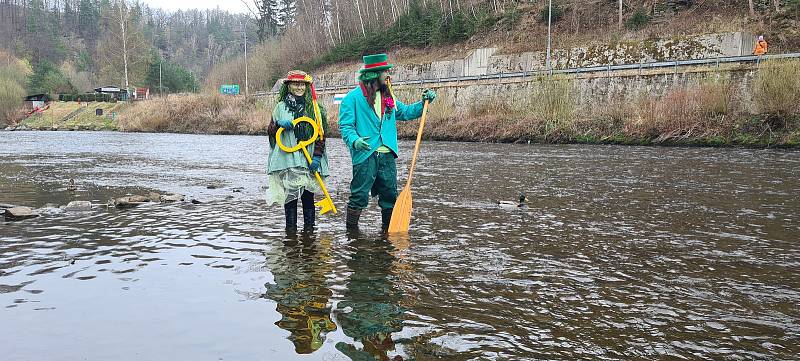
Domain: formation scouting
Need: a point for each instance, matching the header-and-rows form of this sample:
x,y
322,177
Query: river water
x,y
621,253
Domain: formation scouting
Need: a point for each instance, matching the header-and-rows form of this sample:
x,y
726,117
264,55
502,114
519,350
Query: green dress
x,y
288,172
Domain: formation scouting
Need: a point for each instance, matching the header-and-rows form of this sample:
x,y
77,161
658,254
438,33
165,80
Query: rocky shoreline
x,y
12,212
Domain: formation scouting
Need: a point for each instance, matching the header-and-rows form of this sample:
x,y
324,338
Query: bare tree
x,y
122,48
361,19
123,14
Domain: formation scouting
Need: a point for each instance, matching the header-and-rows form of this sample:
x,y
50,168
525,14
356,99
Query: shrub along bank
x,y
710,113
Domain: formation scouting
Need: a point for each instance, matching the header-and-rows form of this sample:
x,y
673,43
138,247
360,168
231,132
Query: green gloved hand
x,y
361,144
285,124
428,95
315,163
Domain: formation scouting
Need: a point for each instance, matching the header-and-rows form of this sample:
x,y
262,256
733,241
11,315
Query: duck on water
x,y
512,205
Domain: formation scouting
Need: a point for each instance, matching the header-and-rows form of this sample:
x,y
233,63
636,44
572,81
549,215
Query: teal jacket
x,y
357,119
280,160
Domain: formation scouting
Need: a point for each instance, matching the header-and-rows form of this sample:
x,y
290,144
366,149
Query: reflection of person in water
x,y
374,299
299,290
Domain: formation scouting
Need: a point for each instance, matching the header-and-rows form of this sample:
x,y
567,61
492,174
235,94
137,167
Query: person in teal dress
x,y
291,176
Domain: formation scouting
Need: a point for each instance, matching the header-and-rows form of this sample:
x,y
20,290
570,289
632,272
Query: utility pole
x,y
549,21
246,87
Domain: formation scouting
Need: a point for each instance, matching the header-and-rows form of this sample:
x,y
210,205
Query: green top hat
x,y
376,63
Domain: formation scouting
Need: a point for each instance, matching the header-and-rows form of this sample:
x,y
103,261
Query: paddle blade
x,y
325,205
401,216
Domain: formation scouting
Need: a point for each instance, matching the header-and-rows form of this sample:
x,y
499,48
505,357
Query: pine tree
x,y
267,19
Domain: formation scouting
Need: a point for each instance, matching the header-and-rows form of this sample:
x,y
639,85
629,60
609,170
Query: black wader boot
x,y
290,209
308,210
386,218
352,219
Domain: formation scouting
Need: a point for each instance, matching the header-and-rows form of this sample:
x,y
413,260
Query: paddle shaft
x,y
319,180
416,146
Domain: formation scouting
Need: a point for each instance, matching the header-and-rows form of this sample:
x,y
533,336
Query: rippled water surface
x,y
622,253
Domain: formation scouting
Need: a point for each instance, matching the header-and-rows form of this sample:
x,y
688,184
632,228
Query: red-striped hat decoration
x,y
376,62
298,75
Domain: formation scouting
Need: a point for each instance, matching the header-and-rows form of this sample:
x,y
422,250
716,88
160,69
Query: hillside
x,y
427,33
78,45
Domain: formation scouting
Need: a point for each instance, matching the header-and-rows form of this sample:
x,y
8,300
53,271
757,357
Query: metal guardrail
x,y
584,70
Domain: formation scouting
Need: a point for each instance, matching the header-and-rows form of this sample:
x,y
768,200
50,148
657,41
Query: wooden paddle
x,y
401,216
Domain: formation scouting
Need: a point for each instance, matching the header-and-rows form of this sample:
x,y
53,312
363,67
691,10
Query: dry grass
x,y
66,115
547,110
777,87
706,113
544,111
196,113
683,113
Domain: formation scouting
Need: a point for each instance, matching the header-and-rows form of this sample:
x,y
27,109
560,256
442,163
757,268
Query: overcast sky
x,y
229,5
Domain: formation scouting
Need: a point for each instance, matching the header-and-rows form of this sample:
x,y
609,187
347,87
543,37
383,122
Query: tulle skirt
x,y
287,185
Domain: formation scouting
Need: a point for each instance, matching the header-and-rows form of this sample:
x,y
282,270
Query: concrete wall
x,y
679,48
589,92
477,63
484,61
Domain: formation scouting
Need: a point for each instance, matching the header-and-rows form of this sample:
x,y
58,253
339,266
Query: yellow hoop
x,y
301,144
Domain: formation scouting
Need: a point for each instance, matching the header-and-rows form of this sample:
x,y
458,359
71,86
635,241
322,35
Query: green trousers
x,y
378,174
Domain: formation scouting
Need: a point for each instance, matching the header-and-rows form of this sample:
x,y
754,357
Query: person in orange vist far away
x,y
761,46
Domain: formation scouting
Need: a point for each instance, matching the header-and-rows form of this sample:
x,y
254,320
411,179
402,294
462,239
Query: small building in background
x,y
141,94
115,92
36,101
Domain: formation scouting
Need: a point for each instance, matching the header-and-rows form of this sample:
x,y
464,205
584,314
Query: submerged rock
x,y
139,199
169,198
154,197
49,211
78,206
129,202
20,213
6,205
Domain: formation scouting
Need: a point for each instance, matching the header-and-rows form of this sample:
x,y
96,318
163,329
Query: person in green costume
x,y
290,175
367,121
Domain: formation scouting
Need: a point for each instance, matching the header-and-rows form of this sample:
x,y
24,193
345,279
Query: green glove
x,y
428,95
361,144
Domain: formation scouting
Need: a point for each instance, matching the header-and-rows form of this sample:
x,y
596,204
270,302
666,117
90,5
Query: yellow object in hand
x,y
326,204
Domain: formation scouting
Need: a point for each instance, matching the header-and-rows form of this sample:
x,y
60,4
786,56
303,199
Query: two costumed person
x,y
368,118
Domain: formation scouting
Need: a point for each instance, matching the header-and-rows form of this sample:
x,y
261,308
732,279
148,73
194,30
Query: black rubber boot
x,y
386,218
309,212
352,219
290,210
